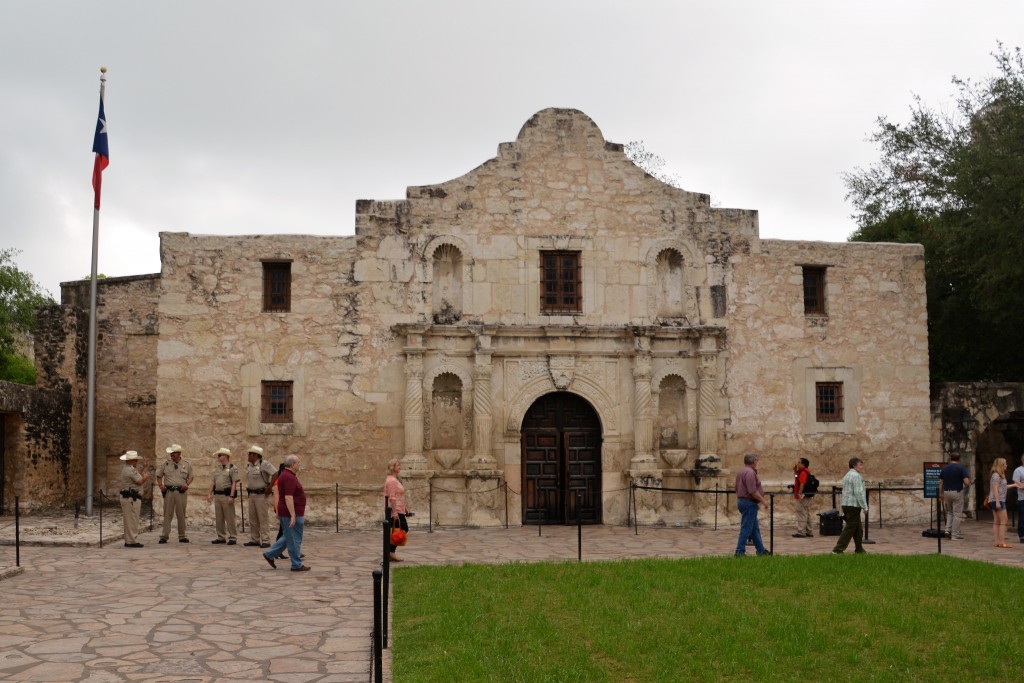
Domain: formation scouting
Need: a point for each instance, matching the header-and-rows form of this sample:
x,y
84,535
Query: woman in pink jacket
x,y
395,494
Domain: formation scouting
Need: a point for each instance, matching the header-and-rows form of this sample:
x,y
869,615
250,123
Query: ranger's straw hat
x,y
256,449
130,455
173,448
223,451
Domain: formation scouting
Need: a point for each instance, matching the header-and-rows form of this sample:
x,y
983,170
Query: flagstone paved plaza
x,y
200,612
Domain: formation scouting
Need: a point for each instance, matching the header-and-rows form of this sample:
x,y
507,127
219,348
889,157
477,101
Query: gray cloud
x,y
262,117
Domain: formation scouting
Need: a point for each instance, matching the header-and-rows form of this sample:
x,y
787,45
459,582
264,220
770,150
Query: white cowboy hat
x,y
130,455
223,451
173,448
256,449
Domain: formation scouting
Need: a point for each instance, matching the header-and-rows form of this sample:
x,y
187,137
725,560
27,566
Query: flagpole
x,y
90,429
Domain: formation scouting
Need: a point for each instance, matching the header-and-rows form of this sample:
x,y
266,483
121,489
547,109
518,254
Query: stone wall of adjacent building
x,y
125,378
37,463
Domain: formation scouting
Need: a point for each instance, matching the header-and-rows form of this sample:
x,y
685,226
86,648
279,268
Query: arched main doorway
x,y
561,465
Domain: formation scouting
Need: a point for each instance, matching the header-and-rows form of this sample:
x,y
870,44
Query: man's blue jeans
x,y
291,539
749,528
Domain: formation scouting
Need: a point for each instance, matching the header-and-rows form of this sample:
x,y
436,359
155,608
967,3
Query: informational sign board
x,y
932,470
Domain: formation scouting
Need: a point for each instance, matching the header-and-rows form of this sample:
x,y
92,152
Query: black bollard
x,y
17,531
387,573
430,506
378,642
579,526
337,511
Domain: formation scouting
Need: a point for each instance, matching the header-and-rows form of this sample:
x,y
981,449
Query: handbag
x,y
399,537
986,505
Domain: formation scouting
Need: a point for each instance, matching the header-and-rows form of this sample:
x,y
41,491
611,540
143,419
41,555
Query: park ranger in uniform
x,y
174,477
131,497
257,484
222,492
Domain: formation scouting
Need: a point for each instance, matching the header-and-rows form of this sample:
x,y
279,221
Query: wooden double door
x,y
561,451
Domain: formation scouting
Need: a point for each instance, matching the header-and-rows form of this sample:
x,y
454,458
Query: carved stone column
x,y
707,415
414,459
643,419
482,405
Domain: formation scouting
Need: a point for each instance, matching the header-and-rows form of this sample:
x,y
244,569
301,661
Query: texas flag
x,y
99,145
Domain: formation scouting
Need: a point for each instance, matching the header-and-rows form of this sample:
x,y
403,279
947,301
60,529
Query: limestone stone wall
x,y
36,446
125,373
423,337
872,338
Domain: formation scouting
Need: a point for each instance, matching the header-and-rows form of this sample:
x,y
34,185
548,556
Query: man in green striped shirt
x,y
855,500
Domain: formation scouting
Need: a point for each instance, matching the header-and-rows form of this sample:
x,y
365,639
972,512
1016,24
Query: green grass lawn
x,y
816,618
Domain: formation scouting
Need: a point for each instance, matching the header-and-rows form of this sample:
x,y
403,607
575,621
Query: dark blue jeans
x,y
292,539
749,528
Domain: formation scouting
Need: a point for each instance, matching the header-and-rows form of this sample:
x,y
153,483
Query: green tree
x,y
20,295
954,181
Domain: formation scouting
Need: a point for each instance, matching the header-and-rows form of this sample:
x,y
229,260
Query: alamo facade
x,y
529,339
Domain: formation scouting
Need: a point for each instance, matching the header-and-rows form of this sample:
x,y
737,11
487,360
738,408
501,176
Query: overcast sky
x,y
259,117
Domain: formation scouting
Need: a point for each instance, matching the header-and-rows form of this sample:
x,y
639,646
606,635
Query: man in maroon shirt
x,y
291,510
749,494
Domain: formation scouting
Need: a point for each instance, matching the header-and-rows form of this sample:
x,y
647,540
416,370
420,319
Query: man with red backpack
x,y
805,485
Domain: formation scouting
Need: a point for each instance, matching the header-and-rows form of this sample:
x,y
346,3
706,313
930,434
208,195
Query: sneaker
x,y
837,552
254,544
162,540
303,568
960,538
185,540
216,541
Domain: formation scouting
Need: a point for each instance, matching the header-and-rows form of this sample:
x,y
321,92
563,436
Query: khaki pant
x,y
259,518
131,509
174,505
803,514
953,503
224,509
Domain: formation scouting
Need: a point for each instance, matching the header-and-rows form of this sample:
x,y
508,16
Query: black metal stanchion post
x,y
579,526
879,506
867,520
636,520
387,573
378,619
17,531
430,506
834,498
716,505
771,523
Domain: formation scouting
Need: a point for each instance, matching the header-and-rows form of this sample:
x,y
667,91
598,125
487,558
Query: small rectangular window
x,y
277,286
814,290
276,404
828,401
560,283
